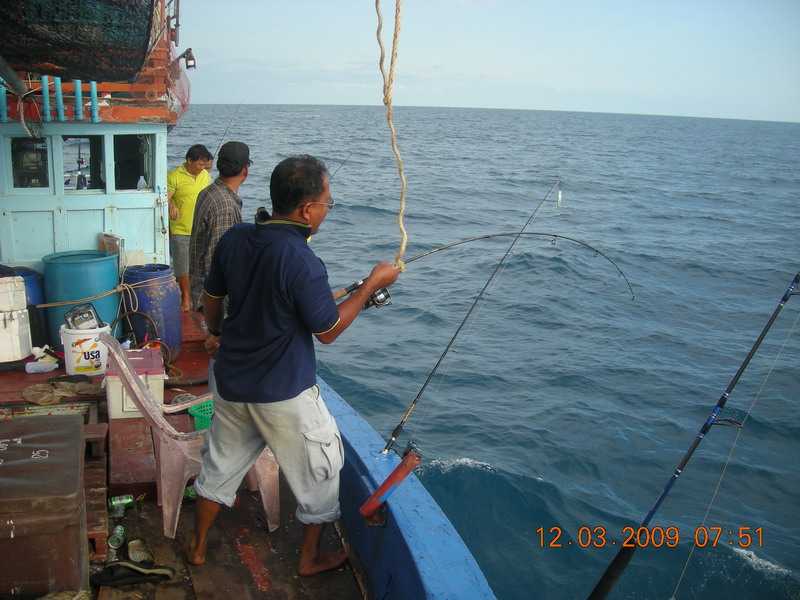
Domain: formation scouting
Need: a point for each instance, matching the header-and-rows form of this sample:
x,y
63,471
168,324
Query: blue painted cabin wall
x,y
35,222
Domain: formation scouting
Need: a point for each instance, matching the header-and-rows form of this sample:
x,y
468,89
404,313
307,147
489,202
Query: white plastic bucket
x,y
84,353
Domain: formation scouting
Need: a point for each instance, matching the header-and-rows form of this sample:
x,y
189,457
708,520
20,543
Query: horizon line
x,y
760,120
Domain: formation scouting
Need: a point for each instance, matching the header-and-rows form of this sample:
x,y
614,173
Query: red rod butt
x,y
386,489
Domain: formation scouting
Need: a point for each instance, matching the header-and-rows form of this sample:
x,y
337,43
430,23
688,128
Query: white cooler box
x,y
15,335
12,294
149,366
15,328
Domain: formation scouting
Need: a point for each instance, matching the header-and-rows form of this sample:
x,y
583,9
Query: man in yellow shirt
x,y
183,185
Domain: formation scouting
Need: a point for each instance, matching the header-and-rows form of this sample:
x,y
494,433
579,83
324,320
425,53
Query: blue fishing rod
x,y
624,556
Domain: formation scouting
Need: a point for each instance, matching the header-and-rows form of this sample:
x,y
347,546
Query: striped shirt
x,y
218,209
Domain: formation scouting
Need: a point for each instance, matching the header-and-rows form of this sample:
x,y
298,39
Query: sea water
x,y
568,401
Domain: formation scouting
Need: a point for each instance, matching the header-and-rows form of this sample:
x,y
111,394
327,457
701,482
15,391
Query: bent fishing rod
x,y
400,425
554,236
624,556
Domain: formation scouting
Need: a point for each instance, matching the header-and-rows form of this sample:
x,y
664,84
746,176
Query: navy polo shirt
x,y
278,297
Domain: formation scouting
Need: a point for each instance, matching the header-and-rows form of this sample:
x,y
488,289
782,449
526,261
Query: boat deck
x,y
244,560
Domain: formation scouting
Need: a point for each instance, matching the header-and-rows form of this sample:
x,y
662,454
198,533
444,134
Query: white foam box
x,y
15,335
12,294
148,365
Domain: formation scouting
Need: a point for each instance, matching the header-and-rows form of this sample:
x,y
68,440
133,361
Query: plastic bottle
x,y
141,184
41,366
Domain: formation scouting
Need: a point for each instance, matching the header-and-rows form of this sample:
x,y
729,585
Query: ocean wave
x,y
762,564
445,466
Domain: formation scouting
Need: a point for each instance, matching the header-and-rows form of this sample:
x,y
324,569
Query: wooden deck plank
x,y
16,380
97,524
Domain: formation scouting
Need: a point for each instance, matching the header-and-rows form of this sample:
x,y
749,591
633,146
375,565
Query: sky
x,y
735,59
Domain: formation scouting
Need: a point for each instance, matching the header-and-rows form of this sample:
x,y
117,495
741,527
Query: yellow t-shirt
x,y
184,190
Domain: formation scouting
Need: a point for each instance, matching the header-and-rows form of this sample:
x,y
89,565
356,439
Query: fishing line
x,y
557,184
492,278
624,556
340,166
740,428
224,133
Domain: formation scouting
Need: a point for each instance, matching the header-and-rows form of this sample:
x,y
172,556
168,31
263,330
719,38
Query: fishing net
x,y
179,92
100,40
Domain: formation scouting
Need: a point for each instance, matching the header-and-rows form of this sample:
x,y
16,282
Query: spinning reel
x,y
378,298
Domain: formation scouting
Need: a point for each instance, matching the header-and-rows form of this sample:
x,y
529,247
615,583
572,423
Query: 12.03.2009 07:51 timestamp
x,y
657,537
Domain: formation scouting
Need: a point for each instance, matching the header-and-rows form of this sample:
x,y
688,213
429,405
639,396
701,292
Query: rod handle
x,y
388,487
350,288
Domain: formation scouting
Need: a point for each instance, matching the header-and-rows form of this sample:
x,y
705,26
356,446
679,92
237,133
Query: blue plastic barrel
x,y
74,276
154,292
34,292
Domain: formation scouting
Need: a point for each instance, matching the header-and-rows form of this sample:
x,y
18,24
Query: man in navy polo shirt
x,y
279,299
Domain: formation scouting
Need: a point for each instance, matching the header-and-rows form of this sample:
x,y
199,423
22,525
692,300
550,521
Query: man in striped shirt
x,y
218,208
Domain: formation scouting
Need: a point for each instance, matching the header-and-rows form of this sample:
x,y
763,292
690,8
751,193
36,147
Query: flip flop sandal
x,y
128,572
139,551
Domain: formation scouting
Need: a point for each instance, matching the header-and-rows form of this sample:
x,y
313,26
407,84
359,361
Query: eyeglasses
x,y
330,203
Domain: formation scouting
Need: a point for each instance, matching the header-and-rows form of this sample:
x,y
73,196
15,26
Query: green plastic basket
x,y
202,414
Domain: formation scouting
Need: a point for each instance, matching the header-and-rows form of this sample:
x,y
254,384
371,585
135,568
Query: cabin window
x,y
84,168
30,163
134,160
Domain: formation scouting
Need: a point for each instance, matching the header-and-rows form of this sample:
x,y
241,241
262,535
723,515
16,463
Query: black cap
x,y
235,155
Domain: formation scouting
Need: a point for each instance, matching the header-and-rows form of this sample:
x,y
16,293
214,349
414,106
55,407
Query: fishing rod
x,y
340,166
222,139
624,556
555,236
489,281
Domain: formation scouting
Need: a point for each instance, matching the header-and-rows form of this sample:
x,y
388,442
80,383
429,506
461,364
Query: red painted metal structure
x,y
373,503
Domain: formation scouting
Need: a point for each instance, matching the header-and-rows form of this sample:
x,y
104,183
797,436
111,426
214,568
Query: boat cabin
x,y
83,158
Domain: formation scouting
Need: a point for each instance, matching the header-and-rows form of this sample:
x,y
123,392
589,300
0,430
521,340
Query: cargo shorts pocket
x,y
324,449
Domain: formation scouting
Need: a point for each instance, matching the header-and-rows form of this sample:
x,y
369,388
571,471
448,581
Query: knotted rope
x,y
388,85
122,287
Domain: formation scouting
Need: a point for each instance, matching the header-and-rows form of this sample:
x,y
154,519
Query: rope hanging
x,y
388,85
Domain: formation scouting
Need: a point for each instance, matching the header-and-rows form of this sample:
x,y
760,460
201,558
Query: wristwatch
x,y
214,332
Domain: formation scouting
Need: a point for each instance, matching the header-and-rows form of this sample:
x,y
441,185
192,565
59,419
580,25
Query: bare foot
x,y
195,555
325,561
